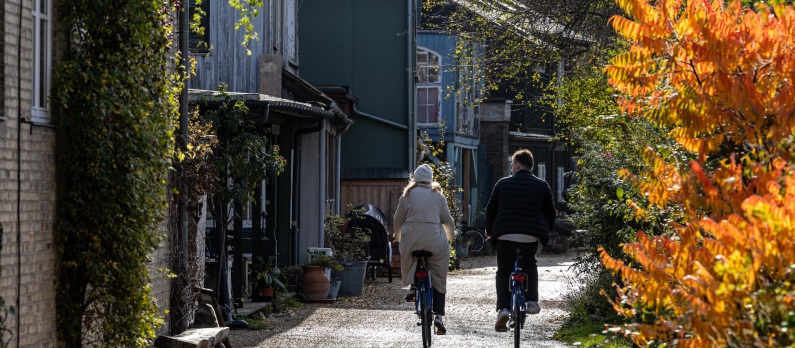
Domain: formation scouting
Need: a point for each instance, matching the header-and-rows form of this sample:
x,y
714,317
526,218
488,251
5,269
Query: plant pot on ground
x,y
314,284
264,278
292,273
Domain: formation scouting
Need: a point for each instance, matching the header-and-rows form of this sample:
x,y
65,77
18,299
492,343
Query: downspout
x,y
322,178
410,52
554,156
338,160
19,175
184,29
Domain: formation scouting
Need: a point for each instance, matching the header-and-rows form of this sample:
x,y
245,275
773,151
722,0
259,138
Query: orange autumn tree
x,y
720,76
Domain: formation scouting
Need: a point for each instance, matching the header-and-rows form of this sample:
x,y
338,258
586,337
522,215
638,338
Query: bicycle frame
x,y
423,277
517,292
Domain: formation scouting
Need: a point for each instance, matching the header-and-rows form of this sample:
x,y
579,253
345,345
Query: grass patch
x,y
590,335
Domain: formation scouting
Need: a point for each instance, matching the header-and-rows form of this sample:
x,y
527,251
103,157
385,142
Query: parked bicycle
x,y
424,298
476,239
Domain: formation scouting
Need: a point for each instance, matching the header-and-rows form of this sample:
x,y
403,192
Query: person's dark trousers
x,y
438,302
506,256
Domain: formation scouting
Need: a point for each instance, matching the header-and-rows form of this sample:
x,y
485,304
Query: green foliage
x,y
504,44
267,276
255,323
282,302
592,334
444,174
243,150
605,141
349,243
321,259
117,105
248,12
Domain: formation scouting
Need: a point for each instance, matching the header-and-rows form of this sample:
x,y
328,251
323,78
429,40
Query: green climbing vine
x,y
117,108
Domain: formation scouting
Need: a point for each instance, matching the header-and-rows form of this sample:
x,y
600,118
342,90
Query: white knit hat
x,y
423,174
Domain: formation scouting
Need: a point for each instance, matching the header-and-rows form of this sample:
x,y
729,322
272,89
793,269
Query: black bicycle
x,y
424,298
476,239
518,306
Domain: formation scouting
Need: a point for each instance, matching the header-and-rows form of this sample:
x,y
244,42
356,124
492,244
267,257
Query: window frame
x,y
429,85
438,104
41,114
542,171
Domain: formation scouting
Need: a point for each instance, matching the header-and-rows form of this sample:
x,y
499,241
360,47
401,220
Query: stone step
x,y
195,338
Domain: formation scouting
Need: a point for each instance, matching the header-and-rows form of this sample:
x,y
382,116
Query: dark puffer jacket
x,y
521,204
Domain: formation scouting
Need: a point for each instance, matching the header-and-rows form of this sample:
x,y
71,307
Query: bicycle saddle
x,y
421,253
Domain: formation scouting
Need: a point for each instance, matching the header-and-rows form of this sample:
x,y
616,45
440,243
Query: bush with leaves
x,y
721,75
116,105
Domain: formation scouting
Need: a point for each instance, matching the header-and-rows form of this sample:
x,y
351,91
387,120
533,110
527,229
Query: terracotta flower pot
x,y
265,294
313,284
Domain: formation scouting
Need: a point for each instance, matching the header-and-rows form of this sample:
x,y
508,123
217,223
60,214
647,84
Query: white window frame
x,y
561,183
428,85
39,113
542,171
438,103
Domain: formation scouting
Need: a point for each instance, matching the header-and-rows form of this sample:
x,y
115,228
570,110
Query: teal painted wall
x,y
362,44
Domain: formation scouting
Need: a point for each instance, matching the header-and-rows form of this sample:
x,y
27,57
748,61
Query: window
x,y
542,172
429,84
42,61
560,185
427,105
200,42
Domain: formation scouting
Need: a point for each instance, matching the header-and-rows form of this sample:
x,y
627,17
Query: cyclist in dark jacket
x,y
520,213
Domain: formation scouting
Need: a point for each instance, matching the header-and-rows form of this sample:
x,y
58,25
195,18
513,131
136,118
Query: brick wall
x,y
28,280
33,277
495,136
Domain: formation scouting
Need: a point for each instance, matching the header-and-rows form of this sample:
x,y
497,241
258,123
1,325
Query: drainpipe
x,y
184,29
19,175
338,156
322,178
554,134
378,119
410,52
338,159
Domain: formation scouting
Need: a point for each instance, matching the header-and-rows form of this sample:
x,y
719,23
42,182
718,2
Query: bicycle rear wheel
x,y
477,239
425,315
518,322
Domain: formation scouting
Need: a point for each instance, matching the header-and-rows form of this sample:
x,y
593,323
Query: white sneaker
x,y
502,320
532,307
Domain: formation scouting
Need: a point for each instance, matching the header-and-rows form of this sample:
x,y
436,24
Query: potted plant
x,y
314,284
264,279
291,274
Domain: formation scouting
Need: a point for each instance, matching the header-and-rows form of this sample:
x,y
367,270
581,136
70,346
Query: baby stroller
x,y
372,220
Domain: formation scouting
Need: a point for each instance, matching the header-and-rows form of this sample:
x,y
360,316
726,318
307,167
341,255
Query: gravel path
x,y
380,318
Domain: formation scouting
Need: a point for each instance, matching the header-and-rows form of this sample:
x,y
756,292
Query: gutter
x,y
272,105
380,120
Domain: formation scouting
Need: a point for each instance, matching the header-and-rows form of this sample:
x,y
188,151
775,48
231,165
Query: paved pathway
x,y
379,317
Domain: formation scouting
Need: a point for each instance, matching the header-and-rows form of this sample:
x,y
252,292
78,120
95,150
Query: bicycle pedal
x,y
504,330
